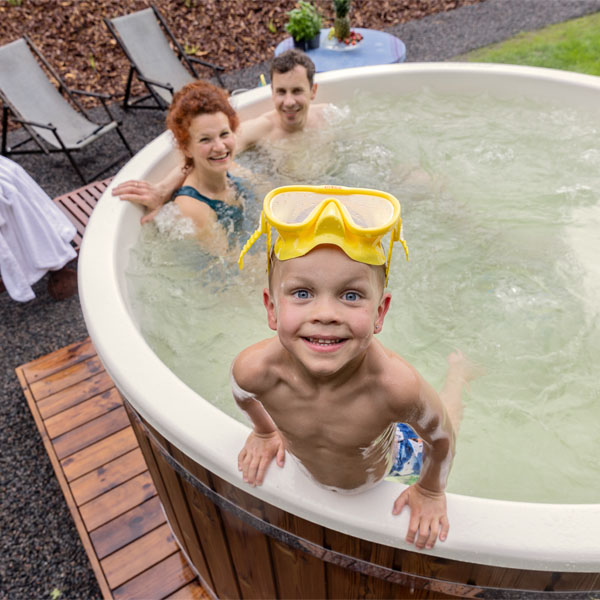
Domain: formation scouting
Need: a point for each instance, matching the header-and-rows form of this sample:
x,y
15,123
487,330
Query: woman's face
x,y
212,143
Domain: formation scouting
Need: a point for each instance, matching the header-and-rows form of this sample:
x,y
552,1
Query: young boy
x,y
323,388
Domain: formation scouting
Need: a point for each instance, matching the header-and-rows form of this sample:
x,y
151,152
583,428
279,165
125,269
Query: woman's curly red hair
x,y
193,99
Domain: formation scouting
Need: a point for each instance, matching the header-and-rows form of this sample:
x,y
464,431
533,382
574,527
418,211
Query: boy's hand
x,y
428,515
257,454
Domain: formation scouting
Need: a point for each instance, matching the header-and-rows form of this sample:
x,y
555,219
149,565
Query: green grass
x,y
571,46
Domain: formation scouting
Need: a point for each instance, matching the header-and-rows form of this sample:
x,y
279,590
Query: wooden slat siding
x,y
79,204
297,572
209,525
190,592
58,361
123,530
159,581
91,432
119,500
139,555
254,569
61,380
109,476
176,506
120,521
56,403
97,454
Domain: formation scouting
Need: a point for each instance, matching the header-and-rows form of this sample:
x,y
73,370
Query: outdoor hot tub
x,y
289,537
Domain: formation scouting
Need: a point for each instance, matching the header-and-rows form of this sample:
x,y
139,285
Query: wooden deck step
x,y
81,419
79,204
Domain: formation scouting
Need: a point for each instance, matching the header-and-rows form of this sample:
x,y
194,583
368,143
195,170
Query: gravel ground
x,y
41,550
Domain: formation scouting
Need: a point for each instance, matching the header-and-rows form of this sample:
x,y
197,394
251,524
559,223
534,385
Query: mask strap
x,y
262,228
268,246
396,236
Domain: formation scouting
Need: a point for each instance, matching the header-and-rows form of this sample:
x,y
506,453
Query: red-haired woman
x,y
203,123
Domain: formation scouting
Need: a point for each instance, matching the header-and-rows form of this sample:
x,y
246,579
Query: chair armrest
x,y
166,86
92,94
203,62
35,124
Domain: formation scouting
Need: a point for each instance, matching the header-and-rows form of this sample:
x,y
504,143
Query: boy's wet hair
x,y
289,59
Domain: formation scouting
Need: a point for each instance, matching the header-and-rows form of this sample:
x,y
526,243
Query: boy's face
x,y
292,95
325,308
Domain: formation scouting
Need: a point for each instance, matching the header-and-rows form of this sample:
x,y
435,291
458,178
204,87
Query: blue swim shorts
x,y
409,456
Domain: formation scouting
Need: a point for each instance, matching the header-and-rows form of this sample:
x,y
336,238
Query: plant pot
x,y
311,44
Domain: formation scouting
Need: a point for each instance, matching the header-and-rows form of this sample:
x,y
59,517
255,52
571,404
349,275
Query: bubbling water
x,y
501,211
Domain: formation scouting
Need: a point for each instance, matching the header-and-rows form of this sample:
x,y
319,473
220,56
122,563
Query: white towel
x,y
34,233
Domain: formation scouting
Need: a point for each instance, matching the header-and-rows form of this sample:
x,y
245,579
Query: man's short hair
x,y
289,59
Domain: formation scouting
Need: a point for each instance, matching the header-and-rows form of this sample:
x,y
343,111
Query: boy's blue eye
x,y
302,294
351,296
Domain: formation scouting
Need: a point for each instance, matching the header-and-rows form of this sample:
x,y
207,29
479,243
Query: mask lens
x,y
365,211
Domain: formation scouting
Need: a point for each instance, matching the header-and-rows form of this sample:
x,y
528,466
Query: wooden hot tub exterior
x,y
242,547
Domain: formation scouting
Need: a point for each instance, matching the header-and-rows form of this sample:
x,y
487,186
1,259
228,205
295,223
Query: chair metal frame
x,y
69,95
134,69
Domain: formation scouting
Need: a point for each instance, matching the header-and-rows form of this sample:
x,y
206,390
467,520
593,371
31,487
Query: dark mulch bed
x,y
232,33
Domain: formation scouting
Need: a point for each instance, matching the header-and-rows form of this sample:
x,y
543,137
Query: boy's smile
x,y
325,308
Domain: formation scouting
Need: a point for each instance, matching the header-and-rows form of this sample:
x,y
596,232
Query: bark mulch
x,y
232,33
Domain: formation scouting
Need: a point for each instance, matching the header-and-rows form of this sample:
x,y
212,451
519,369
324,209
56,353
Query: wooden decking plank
x,y
83,413
106,483
107,477
79,524
58,360
128,527
91,432
98,454
67,377
158,582
75,394
141,554
117,501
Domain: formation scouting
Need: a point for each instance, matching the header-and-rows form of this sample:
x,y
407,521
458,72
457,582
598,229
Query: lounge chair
x,y
148,43
55,122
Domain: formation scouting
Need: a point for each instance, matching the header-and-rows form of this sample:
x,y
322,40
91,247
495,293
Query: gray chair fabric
x,y
149,50
49,113
32,97
155,56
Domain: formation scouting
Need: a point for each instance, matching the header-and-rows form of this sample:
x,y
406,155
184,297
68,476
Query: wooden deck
x,y
105,481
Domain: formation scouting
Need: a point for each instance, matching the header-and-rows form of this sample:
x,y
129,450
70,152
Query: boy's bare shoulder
x,y
254,369
399,380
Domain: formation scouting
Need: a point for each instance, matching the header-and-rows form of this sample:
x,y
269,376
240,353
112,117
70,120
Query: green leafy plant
x,y
304,21
15,2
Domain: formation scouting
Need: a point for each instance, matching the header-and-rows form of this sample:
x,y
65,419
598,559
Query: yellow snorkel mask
x,y
353,219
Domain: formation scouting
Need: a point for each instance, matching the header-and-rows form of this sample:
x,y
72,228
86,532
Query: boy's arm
x,y
436,422
265,441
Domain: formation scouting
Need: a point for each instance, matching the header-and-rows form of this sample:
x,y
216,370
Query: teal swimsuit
x,y
228,215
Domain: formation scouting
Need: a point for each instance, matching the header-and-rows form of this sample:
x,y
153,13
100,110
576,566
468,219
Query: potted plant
x,y
304,25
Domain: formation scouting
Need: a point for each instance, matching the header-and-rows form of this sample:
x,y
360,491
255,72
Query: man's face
x,y
292,95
